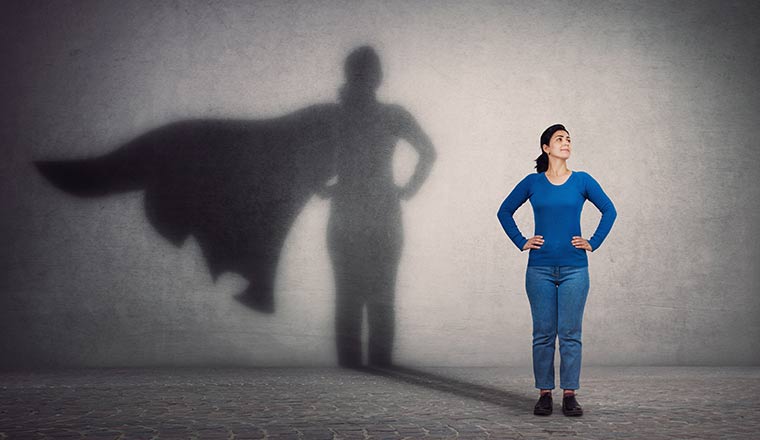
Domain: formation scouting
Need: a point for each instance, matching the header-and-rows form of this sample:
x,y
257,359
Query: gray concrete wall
x,y
661,99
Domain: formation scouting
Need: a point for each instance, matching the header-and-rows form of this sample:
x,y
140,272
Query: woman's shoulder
x,y
527,182
583,175
530,178
586,180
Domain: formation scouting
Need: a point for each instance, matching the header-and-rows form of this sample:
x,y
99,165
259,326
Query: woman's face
x,y
559,145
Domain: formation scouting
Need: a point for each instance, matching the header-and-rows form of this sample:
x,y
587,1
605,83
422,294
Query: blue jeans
x,y
557,296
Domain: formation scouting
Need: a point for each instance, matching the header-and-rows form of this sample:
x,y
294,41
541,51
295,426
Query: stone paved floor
x,y
331,403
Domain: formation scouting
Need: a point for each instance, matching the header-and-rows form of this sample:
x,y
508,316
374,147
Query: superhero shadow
x,y
238,185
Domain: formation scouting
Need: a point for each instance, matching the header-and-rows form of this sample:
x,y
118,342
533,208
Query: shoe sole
x,y
542,412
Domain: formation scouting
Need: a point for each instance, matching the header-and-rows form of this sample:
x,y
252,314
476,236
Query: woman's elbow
x,y
501,214
611,212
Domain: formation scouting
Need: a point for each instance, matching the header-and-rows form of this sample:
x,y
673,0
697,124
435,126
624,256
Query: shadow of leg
x,y
348,319
454,386
381,323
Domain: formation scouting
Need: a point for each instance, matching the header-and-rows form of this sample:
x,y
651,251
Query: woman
x,y
556,279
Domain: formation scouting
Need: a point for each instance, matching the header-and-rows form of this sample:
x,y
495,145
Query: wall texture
x,y
661,99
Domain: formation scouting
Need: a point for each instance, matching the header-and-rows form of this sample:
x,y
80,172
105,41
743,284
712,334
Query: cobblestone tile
x,y
402,403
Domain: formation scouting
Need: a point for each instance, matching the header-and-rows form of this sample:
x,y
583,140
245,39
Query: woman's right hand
x,y
534,242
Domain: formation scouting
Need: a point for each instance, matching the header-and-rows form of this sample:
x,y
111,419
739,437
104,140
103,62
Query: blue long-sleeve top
x,y
557,217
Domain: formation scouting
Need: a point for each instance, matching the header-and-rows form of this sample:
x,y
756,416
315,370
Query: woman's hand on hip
x,y
534,242
581,243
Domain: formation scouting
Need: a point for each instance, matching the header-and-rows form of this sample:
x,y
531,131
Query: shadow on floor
x,y
451,385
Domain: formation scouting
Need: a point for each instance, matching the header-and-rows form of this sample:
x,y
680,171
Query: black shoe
x,y
544,406
570,406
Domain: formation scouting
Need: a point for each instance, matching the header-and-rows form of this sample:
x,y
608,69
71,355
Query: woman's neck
x,y
557,168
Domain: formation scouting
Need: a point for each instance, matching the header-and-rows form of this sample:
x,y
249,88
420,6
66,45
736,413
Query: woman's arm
x,y
506,212
596,195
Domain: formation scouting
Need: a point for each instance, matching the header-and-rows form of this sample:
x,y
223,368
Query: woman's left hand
x,y
581,243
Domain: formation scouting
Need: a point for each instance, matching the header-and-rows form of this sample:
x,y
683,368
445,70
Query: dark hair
x,y
542,161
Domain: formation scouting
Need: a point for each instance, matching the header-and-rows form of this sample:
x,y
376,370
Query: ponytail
x,y
542,162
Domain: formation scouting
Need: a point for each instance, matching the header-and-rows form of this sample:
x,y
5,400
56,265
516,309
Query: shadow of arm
x,y
419,140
